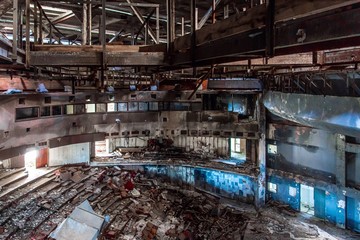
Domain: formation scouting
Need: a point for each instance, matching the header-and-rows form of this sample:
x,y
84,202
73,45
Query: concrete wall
x,y
353,167
71,154
15,162
26,132
302,150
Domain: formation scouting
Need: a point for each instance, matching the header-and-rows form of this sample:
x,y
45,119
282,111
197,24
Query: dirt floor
x,y
143,208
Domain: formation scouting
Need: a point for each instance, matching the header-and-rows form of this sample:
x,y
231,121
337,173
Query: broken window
x,y
292,191
272,149
69,109
272,187
133,106
56,110
101,107
237,145
90,107
25,113
122,107
238,104
178,106
45,111
143,106
79,109
165,106
238,149
153,106
111,107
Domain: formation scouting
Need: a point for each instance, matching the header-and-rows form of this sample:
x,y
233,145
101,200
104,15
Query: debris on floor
x,y
126,204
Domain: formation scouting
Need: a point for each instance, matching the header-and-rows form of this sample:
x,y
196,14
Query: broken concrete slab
x,y
82,224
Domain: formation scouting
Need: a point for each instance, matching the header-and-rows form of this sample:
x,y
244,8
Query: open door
x,y
307,203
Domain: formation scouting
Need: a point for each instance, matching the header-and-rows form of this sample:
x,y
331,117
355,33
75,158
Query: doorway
x,y
102,148
307,202
238,149
30,158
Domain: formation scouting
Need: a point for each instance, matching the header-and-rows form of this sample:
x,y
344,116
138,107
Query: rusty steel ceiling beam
x,y
142,20
52,59
311,33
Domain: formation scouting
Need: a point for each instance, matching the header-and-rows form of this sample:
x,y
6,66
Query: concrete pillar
x,y
340,180
261,158
15,30
89,22
84,29
27,10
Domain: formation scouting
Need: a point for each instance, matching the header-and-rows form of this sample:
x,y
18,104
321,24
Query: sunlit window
x,y
90,108
111,107
272,187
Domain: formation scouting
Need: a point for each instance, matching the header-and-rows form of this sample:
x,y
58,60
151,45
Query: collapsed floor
x,y
144,208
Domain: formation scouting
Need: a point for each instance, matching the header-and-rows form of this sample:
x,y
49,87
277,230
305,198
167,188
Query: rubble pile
x,y
159,211
158,149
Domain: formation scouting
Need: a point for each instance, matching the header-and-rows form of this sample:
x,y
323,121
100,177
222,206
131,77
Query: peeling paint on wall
x,y
230,185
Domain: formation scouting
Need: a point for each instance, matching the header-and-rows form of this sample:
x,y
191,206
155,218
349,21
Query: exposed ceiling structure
x,y
236,32
236,45
123,17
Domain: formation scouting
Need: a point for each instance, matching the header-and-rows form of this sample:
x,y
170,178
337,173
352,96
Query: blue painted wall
x,y
282,194
325,202
330,206
225,184
353,214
